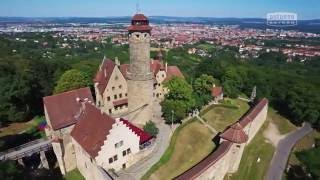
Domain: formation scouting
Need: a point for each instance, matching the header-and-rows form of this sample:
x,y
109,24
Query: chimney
x,y
166,66
117,61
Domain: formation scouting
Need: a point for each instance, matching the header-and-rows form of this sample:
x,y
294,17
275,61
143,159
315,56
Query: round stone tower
x,y
140,77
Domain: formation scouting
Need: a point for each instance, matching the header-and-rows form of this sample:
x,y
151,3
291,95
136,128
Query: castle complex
x,y
106,135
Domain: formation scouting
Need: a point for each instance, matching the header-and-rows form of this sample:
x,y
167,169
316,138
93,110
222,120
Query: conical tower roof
x,y
235,134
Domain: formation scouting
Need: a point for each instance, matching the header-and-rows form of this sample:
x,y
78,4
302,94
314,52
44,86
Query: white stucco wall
x,y
119,132
87,165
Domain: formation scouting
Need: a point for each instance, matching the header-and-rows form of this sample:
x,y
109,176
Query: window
x,y
91,159
110,160
121,143
108,98
115,97
124,153
128,151
115,158
162,75
124,166
113,88
116,145
126,94
120,95
116,78
120,87
110,111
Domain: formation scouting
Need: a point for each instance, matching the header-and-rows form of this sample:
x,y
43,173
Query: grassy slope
x,y
190,143
283,124
220,117
249,167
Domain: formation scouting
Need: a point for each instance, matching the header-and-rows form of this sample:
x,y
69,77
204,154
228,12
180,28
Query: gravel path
x,y
280,158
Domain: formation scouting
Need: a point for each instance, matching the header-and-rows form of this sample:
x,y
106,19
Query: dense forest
x,y
32,64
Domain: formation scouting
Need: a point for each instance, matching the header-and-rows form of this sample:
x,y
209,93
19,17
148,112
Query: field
x,y
190,143
221,116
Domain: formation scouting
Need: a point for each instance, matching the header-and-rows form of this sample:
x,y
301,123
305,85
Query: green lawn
x,y
74,175
283,124
190,143
221,116
249,167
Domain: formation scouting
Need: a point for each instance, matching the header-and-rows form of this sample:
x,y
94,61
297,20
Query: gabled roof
x,y
235,134
92,129
156,66
144,136
216,91
103,75
63,109
173,71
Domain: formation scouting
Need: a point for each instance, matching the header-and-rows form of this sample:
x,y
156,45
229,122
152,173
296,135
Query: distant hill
x,y
260,23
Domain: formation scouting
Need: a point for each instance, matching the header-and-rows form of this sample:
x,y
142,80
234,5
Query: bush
x,y
151,128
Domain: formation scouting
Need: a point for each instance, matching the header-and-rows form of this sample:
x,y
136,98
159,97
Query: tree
x,y
70,80
203,84
9,171
180,90
311,160
174,111
151,128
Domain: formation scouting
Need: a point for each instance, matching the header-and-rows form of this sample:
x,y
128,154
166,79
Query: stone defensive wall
x,y
226,158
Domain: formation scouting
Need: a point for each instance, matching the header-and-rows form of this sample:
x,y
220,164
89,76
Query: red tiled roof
x,y
124,68
206,163
139,17
144,136
63,108
155,66
173,71
120,102
103,75
246,119
92,129
216,91
235,134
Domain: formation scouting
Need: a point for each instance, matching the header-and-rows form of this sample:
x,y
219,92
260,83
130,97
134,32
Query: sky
x,y
306,9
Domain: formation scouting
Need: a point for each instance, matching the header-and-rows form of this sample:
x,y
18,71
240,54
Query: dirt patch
x,y
272,134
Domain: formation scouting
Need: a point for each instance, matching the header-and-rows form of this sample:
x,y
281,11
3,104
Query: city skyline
x,y
188,8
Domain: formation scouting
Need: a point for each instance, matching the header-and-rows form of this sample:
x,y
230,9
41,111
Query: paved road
x,y
137,170
280,158
26,149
